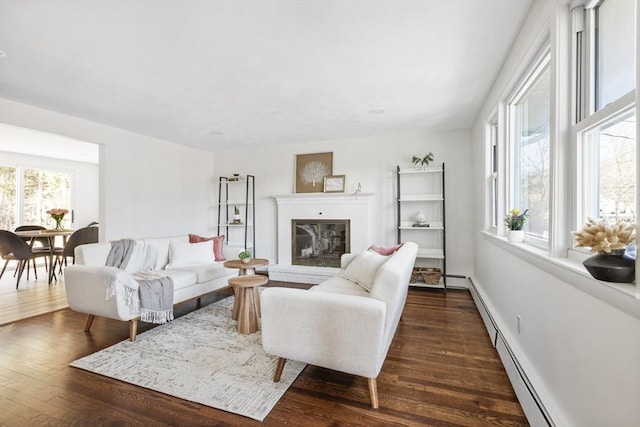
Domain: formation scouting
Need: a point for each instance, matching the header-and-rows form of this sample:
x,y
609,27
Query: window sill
x,y
624,296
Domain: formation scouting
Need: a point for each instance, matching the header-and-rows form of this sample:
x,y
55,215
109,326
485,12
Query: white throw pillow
x,y
362,270
181,253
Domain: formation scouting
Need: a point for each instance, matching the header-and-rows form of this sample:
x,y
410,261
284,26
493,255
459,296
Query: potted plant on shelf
x,y
609,243
245,256
514,222
236,215
422,162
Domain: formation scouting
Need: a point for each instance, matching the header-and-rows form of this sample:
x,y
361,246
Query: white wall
x,y
581,353
149,187
85,182
372,162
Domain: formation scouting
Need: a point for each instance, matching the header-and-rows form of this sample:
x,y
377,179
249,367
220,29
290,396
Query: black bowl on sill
x,y
613,267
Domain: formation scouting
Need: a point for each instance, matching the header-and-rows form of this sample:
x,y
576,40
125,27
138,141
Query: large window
x,y
606,136
609,169
27,199
615,65
530,119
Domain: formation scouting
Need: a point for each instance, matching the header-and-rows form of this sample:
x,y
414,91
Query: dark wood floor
x,y
441,370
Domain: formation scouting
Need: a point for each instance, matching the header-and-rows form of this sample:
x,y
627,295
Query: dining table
x,y
51,235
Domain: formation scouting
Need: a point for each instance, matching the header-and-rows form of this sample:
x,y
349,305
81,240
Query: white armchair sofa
x,y
340,324
193,271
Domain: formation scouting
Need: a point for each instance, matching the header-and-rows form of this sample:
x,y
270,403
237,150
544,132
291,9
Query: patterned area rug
x,y
200,357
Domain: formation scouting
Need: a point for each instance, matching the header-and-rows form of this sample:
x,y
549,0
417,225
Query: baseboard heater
x,y
531,403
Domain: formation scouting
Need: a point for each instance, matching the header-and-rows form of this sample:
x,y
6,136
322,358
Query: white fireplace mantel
x,y
355,208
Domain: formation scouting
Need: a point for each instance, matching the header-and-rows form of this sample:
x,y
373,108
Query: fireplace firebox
x,y
319,243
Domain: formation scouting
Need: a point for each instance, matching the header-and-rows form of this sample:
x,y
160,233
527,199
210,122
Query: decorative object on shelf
x,y
609,242
311,170
421,219
514,222
429,275
236,215
334,184
235,177
58,216
358,190
245,256
422,162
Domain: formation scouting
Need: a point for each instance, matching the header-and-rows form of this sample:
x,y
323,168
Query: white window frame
x,y
493,205
584,114
541,62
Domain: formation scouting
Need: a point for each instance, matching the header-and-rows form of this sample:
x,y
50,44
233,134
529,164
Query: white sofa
x,y
193,275
338,324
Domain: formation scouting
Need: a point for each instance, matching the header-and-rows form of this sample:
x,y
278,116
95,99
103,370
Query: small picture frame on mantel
x,y
334,184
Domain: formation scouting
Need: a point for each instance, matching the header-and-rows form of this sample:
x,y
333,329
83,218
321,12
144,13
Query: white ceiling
x,y
220,74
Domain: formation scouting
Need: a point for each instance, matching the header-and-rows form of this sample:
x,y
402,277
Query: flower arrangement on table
x,y
58,215
515,220
603,237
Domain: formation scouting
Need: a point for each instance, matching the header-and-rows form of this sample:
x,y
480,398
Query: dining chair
x,y
44,243
81,236
14,248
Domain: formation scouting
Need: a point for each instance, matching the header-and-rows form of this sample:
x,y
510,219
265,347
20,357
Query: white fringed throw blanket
x,y
154,296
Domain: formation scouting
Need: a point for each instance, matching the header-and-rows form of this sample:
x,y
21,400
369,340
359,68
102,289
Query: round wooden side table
x,y
246,268
246,305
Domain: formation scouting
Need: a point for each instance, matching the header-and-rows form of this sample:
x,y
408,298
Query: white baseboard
x,y
529,400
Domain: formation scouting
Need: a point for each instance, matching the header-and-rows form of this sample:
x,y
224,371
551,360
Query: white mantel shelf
x,y
324,197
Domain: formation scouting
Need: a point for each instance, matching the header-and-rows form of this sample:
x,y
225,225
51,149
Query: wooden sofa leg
x,y
89,321
133,329
279,368
373,391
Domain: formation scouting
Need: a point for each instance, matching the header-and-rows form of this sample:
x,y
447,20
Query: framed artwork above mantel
x,y
334,184
311,169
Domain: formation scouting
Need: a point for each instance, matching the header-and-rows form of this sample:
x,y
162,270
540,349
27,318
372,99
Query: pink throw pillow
x,y
386,251
217,244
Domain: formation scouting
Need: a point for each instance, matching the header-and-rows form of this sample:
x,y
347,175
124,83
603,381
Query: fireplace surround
x,y
356,209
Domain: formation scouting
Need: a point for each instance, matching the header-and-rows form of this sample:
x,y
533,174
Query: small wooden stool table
x,y
246,305
246,268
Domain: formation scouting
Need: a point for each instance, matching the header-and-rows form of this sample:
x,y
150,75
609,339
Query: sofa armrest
x,y
86,287
335,331
92,253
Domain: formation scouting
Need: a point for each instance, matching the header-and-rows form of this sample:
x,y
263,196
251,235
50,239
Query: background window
x,y
531,120
27,201
615,50
44,190
8,200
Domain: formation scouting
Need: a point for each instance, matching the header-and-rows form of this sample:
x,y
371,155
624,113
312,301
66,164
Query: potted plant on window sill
x,y
245,257
515,222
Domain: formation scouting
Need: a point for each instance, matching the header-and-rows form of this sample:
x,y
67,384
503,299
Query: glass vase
x,y
58,226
